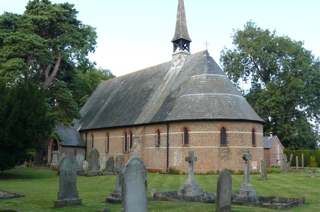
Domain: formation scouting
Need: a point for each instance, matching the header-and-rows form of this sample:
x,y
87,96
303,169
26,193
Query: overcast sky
x,y
136,34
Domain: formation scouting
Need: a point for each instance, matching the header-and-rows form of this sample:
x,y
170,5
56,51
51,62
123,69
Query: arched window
x,y
223,137
92,141
107,143
185,136
131,141
253,137
158,138
125,142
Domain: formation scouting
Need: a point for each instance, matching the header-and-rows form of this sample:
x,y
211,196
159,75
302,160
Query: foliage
x,y
313,162
24,120
173,170
284,79
307,154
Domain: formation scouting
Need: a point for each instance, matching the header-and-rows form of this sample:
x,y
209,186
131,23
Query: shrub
x,y
313,162
173,170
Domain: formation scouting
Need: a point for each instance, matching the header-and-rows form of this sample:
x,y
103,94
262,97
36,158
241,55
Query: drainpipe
x,y
167,168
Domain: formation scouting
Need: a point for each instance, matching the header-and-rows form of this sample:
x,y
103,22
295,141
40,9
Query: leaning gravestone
x,y
290,159
79,160
110,165
263,169
224,192
134,190
103,163
297,162
68,193
284,168
94,163
246,194
116,196
190,188
302,161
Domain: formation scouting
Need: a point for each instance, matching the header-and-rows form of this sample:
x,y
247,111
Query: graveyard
x,y
40,185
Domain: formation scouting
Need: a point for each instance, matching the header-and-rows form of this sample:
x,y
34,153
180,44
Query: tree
x,y
283,80
24,121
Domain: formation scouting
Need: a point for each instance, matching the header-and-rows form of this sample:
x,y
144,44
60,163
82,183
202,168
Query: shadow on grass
x,y
28,173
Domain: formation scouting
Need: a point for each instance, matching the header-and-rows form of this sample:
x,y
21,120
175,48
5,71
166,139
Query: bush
x,y
173,170
313,162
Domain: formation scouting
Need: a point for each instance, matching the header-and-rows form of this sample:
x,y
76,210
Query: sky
x,y
137,34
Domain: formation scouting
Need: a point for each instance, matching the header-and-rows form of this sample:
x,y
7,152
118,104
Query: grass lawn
x,y
40,187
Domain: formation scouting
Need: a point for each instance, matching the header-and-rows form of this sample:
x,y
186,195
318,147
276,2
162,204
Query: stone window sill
x,y
185,145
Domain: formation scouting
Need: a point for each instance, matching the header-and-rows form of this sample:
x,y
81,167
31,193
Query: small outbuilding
x,y
273,150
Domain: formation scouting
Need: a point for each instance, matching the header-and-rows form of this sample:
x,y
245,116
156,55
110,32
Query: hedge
x,y
306,153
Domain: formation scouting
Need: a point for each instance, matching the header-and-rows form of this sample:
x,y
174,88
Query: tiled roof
x,y
197,90
268,141
69,136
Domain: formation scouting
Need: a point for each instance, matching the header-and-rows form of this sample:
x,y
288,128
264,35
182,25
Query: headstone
x,y
313,174
110,165
246,194
116,196
80,160
291,156
263,169
224,192
134,190
61,157
284,168
68,193
190,188
297,162
94,162
103,161
85,166
302,161
54,161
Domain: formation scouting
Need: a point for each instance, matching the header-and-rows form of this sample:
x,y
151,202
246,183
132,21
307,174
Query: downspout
x,y
167,168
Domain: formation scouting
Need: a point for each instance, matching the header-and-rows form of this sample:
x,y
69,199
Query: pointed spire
x,y
181,39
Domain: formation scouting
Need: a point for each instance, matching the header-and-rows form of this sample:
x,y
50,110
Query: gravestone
x,y
302,161
134,190
246,194
85,166
103,163
313,174
116,196
190,188
263,169
61,157
68,193
110,165
54,161
284,168
224,192
297,162
291,156
80,160
94,163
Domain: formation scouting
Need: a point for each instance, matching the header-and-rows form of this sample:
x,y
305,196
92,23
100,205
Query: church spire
x,y
181,39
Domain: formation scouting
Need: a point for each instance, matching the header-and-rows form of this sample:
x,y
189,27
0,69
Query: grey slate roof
x,y
268,141
181,31
69,136
196,91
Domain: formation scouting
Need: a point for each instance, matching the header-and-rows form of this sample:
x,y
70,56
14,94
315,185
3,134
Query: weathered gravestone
x,y
94,162
263,169
291,156
110,165
80,160
284,168
61,157
115,196
85,166
134,188
190,188
103,161
297,162
68,193
54,161
224,192
246,194
313,174
302,161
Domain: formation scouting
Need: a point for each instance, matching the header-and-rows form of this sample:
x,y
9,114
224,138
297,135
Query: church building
x,y
160,113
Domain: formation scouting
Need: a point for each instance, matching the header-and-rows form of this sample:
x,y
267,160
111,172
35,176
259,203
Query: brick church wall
x,y
204,140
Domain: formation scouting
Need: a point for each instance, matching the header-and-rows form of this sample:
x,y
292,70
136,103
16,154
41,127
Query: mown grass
x,y
40,187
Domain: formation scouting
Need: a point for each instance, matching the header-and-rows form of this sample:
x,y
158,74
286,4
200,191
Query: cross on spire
x,y
207,44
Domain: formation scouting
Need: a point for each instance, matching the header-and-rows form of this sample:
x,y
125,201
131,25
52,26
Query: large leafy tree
x,y
283,80
24,121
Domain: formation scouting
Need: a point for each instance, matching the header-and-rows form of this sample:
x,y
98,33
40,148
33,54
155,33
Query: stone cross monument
x,y
246,194
190,188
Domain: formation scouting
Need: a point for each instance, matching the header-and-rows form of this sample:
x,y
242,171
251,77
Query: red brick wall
x,y
276,153
204,140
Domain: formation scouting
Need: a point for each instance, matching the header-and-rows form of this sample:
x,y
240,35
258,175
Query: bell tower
x,y
181,39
